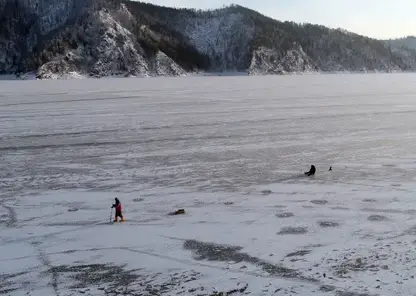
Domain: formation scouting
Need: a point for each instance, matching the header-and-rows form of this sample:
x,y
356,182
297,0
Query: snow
x,y
231,151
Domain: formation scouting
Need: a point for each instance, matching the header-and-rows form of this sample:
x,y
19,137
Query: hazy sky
x,y
374,18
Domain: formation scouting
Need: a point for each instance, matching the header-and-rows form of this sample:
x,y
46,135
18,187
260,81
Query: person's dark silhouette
x,y
330,168
311,171
117,205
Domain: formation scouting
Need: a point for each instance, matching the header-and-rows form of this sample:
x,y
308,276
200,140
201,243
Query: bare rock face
x,y
273,61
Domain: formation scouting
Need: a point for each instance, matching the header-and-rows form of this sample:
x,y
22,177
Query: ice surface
x,y
231,151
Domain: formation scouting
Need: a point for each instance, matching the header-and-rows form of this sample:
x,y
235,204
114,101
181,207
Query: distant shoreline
x,y
75,75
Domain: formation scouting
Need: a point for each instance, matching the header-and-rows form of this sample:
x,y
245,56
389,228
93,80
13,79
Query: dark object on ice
x,y
178,212
330,168
311,171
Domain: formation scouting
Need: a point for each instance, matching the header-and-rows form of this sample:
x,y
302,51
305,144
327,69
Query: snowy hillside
x,y
25,23
98,42
109,49
234,36
120,37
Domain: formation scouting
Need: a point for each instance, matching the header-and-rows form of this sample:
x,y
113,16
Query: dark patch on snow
x,y
138,199
266,192
325,224
369,200
299,200
226,253
363,264
345,293
8,284
314,246
95,274
240,290
377,218
117,280
6,291
285,215
389,211
214,252
319,202
327,288
299,253
340,208
293,230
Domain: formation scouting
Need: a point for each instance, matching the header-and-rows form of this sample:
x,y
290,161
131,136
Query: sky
x,y
381,19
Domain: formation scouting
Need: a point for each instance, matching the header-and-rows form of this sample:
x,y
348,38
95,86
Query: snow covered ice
x,y
231,151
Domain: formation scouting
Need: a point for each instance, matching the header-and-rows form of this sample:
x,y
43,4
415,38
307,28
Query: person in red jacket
x,y
119,213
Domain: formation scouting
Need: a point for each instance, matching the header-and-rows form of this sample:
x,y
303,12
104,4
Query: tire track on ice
x,y
11,217
44,259
80,228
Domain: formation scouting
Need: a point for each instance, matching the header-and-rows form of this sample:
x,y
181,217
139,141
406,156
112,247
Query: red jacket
x,y
117,205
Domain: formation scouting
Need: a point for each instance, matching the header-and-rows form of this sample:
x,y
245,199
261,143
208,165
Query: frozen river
x,y
216,133
231,151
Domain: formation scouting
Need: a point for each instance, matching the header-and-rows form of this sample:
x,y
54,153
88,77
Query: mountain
x,y
26,23
408,42
63,38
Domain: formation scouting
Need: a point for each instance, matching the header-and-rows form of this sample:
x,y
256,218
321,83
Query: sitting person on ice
x,y
117,205
311,171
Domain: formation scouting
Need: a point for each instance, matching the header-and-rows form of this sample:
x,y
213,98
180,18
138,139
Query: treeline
x,y
173,43
329,48
240,32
